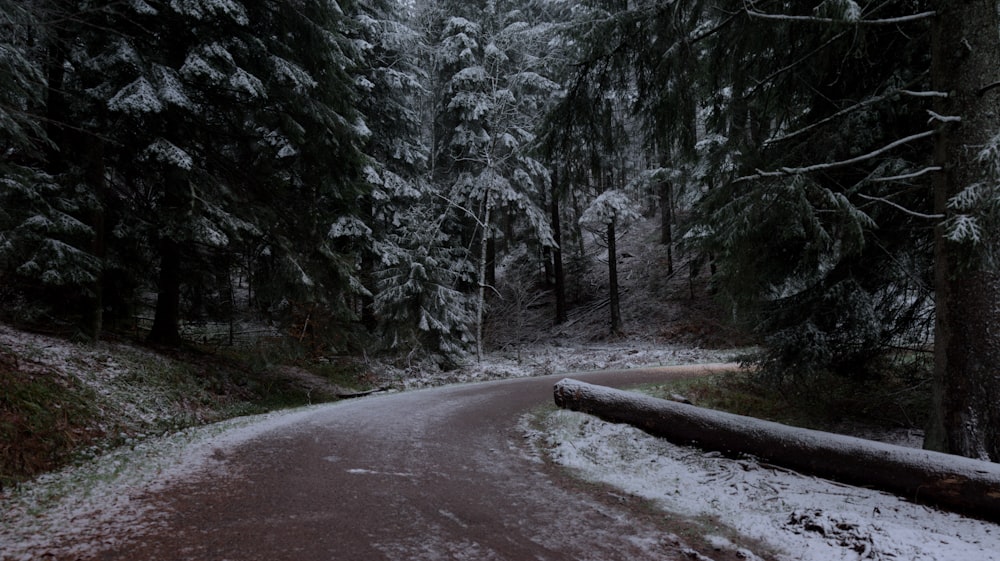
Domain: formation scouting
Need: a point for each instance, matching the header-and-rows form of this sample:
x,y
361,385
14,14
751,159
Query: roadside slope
x,y
439,473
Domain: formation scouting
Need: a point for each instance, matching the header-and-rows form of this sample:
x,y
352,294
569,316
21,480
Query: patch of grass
x,y
62,402
44,419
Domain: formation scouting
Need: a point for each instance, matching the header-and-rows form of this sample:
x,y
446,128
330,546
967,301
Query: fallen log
x,y
951,482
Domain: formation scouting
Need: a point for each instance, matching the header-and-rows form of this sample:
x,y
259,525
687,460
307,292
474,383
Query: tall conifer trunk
x,y
614,301
557,257
97,181
966,400
166,322
666,222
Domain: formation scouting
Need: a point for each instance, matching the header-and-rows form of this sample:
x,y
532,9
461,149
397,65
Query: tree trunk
x,y
666,222
166,322
96,180
368,263
960,484
481,293
557,257
491,261
616,314
965,418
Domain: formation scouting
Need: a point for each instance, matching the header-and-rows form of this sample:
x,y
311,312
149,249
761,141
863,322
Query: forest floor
x,y
104,405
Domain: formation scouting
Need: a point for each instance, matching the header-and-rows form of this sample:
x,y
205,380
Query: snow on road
x,y
804,518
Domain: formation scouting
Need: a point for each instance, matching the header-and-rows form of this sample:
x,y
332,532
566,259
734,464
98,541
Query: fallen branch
x,y
950,482
353,395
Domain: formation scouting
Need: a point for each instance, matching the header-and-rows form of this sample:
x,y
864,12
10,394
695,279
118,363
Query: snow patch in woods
x,y
803,518
544,360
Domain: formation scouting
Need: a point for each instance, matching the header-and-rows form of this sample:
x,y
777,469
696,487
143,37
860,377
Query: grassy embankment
x,y
63,402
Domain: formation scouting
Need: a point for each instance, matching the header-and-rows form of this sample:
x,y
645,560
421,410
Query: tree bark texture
x,y
666,222
615,305
557,256
966,400
926,477
166,321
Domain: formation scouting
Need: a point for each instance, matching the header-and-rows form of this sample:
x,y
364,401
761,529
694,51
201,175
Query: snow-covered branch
x,y
815,19
905,176
832,165
912,93
845,111
942,118
901,207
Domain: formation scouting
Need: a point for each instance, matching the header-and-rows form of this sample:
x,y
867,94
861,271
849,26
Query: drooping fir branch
x,y
848,110
786,171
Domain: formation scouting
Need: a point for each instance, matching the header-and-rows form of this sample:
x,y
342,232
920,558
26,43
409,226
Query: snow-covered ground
x,y
99,503
555,359
802,518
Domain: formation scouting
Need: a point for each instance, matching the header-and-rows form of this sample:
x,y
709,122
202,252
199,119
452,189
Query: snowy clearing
x,y
804,518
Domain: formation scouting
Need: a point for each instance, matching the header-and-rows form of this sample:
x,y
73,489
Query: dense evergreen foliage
x,y
359,171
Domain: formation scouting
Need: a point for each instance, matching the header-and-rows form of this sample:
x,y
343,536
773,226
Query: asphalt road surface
x,y
425,475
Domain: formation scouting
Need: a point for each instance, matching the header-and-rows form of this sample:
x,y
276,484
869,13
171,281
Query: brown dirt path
x,y
425,475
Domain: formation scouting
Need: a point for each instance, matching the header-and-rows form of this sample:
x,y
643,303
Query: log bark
x,y
951,482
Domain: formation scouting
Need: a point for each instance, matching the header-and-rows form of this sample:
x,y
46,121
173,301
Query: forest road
x,y
432,474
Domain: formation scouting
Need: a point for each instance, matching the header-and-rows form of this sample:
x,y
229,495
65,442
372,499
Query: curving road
x,y
423,475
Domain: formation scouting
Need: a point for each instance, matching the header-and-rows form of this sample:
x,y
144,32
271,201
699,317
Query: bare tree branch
x,y
814,19
901,207
912,93
838,114
832,165
942,118
905,176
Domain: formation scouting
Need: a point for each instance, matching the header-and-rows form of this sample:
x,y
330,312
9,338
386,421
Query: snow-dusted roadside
x,y
554,359
804,518
95,504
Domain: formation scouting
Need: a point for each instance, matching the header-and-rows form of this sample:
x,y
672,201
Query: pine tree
x,y
194,131
391,93
798,254
492,94
308,191
591,135
838,275
44,241
607,216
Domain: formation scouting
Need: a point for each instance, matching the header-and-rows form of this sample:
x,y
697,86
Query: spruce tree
x,y
46,257
491,96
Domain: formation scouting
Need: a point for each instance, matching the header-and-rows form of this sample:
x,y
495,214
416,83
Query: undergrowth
x,y
43,420
898,399
63,402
